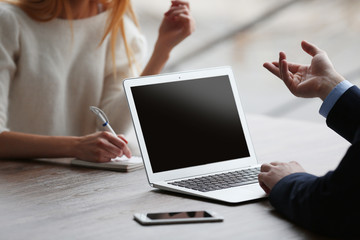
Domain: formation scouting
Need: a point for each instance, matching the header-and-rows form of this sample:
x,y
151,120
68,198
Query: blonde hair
x,y
47,10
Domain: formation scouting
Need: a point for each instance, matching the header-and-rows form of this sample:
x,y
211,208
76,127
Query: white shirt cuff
x,y
333,96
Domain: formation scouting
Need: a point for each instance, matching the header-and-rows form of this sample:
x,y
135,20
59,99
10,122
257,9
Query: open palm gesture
x,y
316,80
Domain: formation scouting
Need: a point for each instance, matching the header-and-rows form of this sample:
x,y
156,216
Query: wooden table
x,y
49,200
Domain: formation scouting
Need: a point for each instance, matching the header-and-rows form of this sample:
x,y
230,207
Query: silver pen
x,y
103,118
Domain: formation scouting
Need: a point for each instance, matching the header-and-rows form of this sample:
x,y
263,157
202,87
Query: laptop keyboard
x,y
220,181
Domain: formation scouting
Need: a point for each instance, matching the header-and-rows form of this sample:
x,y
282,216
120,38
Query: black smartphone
x,y
177,217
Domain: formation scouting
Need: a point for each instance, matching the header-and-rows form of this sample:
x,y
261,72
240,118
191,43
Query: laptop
x,y
193,135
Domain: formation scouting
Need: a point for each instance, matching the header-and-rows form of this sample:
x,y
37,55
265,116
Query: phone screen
x,y
179,215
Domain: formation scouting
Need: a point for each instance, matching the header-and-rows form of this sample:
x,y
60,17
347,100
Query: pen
x,y
105,121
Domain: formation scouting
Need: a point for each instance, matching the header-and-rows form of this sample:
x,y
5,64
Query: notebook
x,y
193,135
120,164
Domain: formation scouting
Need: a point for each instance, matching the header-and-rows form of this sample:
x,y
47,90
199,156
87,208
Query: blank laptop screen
x,y
189,123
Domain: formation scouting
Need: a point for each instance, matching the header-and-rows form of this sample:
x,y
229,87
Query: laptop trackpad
x,y
239,194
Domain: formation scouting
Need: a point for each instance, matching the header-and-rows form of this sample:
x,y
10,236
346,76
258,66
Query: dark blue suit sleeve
x,y
344,117
328,204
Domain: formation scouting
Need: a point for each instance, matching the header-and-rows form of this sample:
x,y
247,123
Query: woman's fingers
x,y
122,137
110,143
119,145
179,3
181,13
176,10
126,149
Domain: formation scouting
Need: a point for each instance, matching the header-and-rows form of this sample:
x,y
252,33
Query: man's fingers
x,y
282,57
275,163
293,68
280,67
310,48
288,78
265,167
285,71
297,166
262,184
272,68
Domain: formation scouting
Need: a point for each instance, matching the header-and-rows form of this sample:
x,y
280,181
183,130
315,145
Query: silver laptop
x,y
193,135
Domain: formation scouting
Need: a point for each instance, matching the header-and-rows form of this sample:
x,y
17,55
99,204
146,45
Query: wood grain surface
x,y
49,199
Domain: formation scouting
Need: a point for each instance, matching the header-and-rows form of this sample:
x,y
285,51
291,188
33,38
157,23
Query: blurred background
x,y
244,34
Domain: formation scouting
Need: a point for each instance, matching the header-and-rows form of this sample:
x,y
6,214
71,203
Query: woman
x,y
57,58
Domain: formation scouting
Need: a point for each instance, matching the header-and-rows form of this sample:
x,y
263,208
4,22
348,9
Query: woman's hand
x,y
177,24
101,147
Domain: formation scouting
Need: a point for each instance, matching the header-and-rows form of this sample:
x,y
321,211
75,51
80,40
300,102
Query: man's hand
x,y
316,80
273,172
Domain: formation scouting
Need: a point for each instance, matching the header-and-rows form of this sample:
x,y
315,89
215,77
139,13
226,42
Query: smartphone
x,y
177,217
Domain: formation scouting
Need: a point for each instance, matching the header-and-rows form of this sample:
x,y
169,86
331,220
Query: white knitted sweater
x,y
50,74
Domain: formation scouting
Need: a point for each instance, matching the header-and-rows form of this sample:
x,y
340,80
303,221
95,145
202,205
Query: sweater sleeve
x,y
9,49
